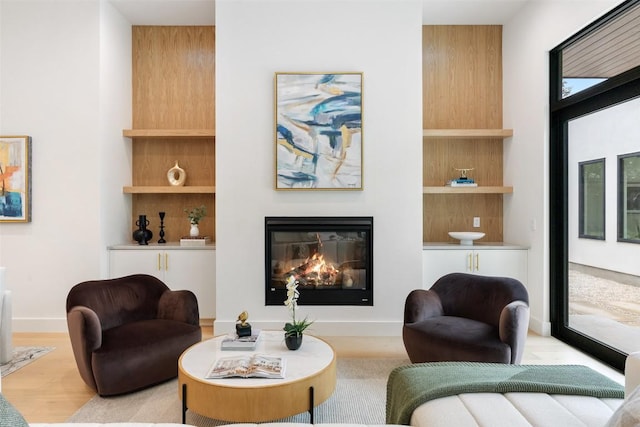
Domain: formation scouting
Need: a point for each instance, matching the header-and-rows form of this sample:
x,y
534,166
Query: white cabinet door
x,y
501,262
191,269
437,263
131,261
487,262
194,270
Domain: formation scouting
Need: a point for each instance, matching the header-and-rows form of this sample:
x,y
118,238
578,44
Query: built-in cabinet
x,y
191,268
173,120
490,260
462,122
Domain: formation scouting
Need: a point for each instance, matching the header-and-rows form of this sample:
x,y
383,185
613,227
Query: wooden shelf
x,y
467,133
160,189
467,190
168,133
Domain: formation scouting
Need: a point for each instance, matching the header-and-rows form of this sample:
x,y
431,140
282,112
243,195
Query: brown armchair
x,y
127,333
466,317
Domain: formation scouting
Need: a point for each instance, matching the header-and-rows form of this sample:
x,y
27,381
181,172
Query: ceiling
x,y
606,52
202,12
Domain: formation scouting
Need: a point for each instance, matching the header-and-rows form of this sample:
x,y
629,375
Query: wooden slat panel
x,y
455,212
462,90
462,77
173,77
152,159
441,157
607,52
176,221
173,103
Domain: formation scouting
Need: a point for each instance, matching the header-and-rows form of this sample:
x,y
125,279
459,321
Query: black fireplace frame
x,y
321,297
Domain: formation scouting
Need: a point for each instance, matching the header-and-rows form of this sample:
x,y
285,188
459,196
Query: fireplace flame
x,y
315,271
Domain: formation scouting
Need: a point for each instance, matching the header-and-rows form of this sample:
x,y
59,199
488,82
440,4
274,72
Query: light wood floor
x,y
51,390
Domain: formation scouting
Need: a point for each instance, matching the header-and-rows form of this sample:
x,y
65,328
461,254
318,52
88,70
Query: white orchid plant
x,y
295,327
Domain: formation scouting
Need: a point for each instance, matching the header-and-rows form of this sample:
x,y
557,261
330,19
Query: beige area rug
x,y
360,397
22,356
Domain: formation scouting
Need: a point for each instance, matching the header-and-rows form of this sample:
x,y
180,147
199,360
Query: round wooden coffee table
x,y
310,378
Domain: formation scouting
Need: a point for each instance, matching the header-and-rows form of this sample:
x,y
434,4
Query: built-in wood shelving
x,y
169,133
467,133
159,189
467,190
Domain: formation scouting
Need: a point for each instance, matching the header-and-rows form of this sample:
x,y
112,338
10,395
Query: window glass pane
x,y
603,53
592,199
629,198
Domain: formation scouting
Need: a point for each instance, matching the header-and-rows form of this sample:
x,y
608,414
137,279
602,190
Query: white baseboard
x,y
540,327
26,324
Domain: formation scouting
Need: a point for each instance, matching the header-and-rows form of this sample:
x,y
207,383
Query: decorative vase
x,y
194,231
293,342
176,175
142,235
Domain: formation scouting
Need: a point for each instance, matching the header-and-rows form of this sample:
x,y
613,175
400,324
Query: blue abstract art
x,y
318,131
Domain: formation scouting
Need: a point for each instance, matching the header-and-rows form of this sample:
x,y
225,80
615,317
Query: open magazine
x,y
250,366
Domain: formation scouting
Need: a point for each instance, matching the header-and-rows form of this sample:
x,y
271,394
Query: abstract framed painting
x,y
15,179
318,131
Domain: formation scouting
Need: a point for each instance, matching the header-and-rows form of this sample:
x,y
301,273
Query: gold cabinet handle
x,y
477,262
469,262
166,261
159,261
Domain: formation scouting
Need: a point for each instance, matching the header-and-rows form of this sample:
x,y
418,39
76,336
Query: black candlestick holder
x,y
161,228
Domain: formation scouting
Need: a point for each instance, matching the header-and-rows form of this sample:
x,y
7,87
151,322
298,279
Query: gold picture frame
x,y
15,178
318,131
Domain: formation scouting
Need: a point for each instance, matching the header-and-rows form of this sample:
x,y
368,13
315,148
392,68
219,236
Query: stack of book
x,y
462,182
234,342
195,241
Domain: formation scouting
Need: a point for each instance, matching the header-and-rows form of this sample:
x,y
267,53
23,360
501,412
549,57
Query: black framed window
x,y
588,55
591,199
629,198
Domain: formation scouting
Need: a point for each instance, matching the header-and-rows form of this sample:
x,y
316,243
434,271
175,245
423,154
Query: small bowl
x,y
466,237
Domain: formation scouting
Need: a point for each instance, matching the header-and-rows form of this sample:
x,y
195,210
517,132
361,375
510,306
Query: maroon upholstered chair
x,y
127,333
466,317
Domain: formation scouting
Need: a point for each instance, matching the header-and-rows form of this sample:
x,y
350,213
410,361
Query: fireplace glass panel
x,y
329,257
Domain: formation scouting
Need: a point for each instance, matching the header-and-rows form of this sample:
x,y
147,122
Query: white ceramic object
x,y
176,176
466,237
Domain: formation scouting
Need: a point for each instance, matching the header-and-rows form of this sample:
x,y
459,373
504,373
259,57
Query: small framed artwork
x,y
15,179
318,131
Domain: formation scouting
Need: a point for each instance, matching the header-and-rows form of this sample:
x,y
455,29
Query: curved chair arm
x,y
85,333
422,304
181,306
514,324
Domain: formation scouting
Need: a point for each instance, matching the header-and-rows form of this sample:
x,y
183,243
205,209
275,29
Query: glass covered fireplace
x,y
330,257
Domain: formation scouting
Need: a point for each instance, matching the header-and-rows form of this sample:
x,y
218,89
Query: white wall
x,y
604,134
115,115
51,90
527,40
255,39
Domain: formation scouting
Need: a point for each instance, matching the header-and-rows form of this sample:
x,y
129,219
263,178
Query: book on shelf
x,y
455,183
249,366
234,342
194,241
